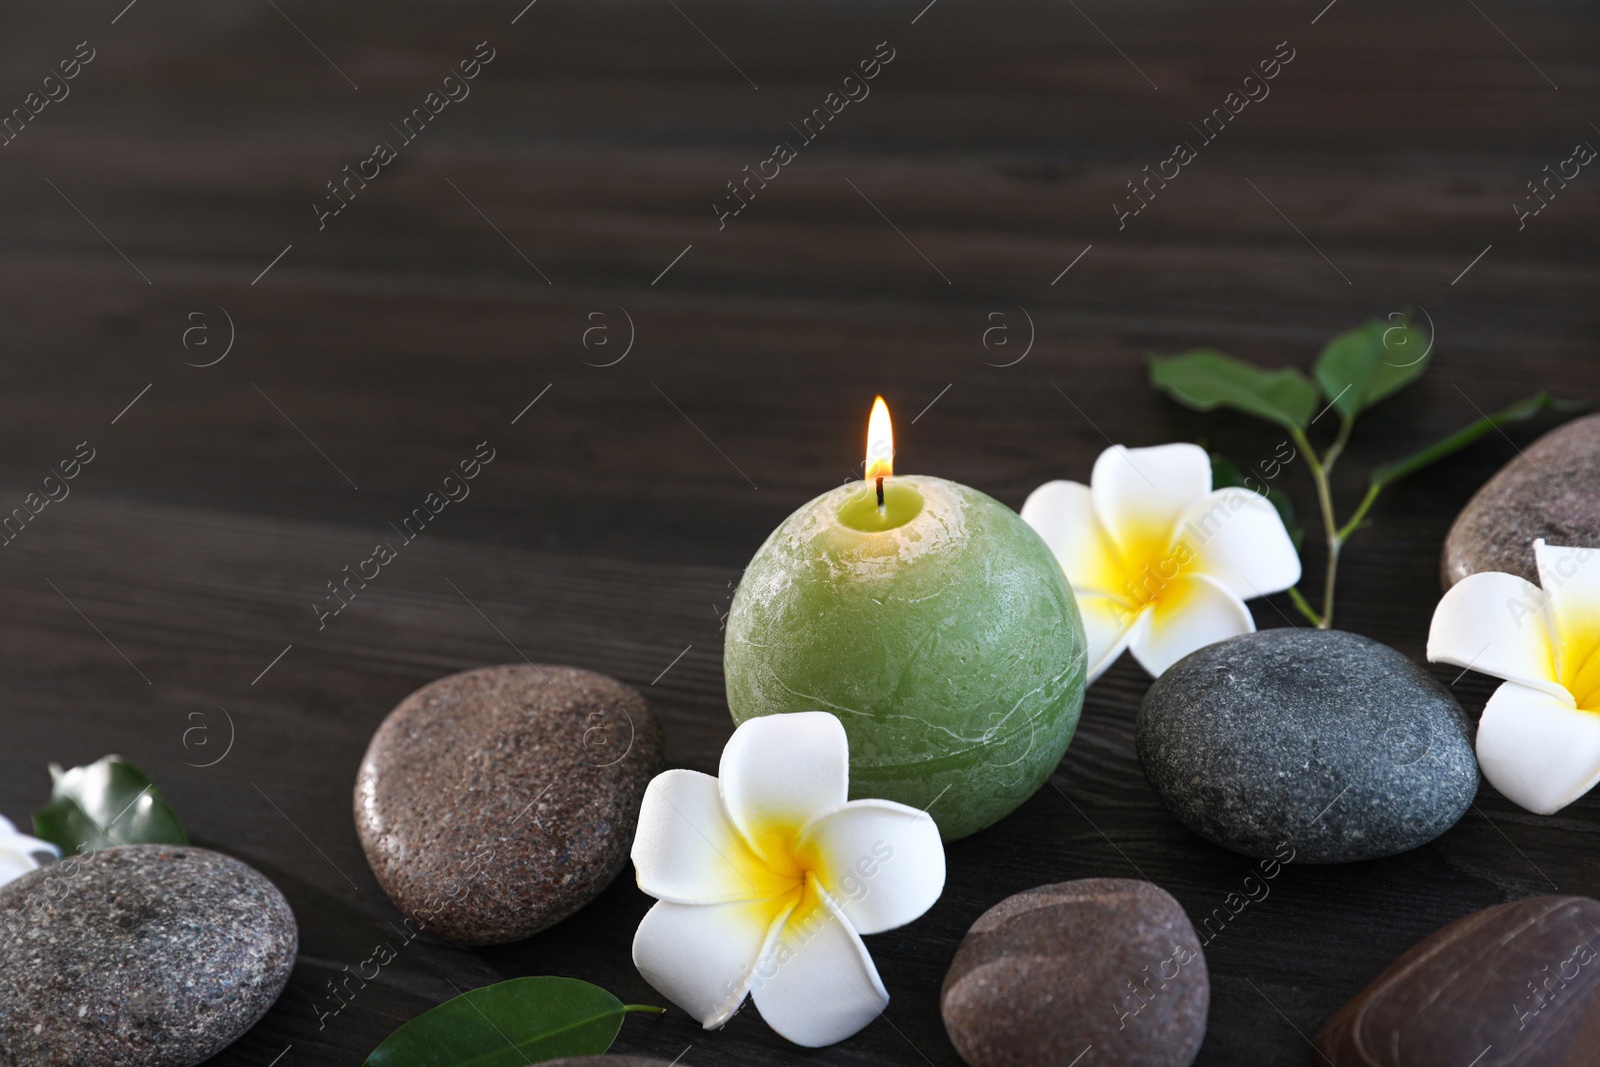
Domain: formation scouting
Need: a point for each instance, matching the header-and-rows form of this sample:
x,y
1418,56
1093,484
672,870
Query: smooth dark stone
x,y
138,956
1111,963
1329,743
1551,490
496,802
1515,985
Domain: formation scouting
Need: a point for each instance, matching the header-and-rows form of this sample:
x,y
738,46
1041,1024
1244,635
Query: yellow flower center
x,y
1149,571
792,872
1580,659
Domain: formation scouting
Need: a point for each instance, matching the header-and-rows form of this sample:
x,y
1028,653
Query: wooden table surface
x,y
573,190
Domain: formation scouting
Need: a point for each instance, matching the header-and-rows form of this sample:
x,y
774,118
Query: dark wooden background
x,y
620,508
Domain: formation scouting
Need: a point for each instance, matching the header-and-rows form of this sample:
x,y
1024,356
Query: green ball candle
x,y
933,622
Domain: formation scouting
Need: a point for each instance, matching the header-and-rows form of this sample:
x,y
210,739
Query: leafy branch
x,y
529,1020
1355,371
106,803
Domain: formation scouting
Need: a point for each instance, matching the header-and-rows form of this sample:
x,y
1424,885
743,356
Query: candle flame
x,y
880,442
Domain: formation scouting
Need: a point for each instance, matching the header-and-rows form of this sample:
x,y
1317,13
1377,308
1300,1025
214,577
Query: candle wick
x,y
880,491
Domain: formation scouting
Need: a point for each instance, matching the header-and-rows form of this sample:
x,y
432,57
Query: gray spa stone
x,y
138,956
1335,744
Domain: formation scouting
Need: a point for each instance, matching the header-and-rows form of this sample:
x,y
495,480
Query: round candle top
x,y
901,503
878,506
945,639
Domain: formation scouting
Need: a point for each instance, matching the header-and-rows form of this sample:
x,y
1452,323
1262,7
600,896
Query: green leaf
x,y
509,1024
1226,473
1374,361
109,802
1206,379
1523,409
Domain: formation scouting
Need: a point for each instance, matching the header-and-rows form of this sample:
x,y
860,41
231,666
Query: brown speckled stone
x,y
1107,962
138,956
1551,491
1515,985
496,802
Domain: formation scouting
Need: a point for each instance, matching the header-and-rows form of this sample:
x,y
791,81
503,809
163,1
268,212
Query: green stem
x,y
1327,583
1304,605
1335,450
1361,512
1319,474
651,1008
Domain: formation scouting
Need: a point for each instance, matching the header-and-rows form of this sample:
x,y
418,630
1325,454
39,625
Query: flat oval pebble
x,y
1515,985
496,802
1551,490
1111,963
1330,743
138,956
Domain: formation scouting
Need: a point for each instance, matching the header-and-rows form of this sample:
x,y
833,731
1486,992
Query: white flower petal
x,y
701,957
687,850
1497,624
1110,626
16,851
1193,612
1540,752
882,862
1139,493
779,772
33,844
1571,579
24,843
15,862
817,985
1063,514
1238,538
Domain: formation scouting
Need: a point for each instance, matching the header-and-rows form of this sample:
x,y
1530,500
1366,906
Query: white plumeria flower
x,y
1539,738
767,876
1160,563
16,852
